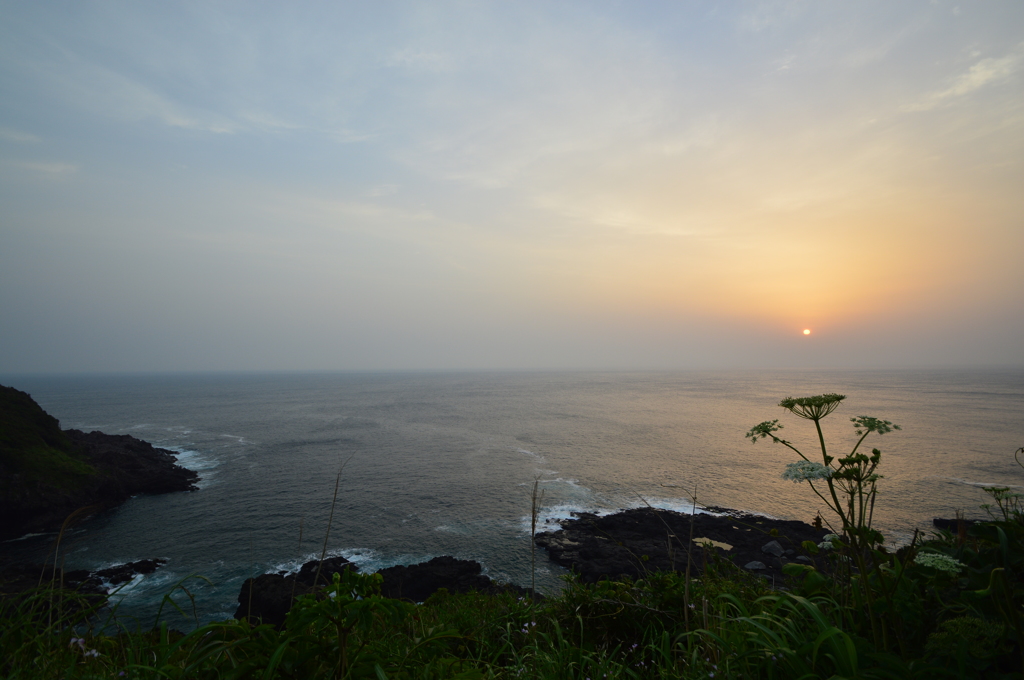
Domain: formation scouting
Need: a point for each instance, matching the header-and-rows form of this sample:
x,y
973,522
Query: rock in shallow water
x,y
635,542
269,597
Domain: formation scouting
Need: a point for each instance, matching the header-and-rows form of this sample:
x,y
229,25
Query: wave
x,y
27,536
984,485
193,460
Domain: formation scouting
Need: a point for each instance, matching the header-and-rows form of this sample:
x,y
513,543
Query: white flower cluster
x,y
805,470
939,561
827,543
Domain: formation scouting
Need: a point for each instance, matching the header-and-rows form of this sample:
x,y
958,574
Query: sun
x,y
807,331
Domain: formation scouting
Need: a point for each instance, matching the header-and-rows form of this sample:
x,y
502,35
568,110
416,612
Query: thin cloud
x,y
985,72
11,135
106,92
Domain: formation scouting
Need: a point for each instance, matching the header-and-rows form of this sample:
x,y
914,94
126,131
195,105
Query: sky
x,y
239,186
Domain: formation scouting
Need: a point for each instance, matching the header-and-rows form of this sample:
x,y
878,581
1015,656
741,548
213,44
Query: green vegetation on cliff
x,y
34,452
47,474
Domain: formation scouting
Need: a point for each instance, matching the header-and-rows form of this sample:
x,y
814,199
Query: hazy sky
x,y
461,185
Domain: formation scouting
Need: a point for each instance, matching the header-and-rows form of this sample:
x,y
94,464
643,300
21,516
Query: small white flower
x,y
805,470
940,562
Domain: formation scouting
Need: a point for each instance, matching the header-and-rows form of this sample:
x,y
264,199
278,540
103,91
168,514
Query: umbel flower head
x,y
806,470
865,424
939,562
812,408
764,430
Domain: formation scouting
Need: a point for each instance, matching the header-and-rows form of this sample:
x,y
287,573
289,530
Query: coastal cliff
x,y
47,473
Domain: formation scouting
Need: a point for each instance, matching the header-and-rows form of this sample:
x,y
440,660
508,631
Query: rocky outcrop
x,y
269,597
46,473
955,525
635,542
18,583
131,466
417,582
123,573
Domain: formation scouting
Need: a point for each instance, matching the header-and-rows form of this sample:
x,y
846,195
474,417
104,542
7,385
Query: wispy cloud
x,y
985,72
11,135
118,96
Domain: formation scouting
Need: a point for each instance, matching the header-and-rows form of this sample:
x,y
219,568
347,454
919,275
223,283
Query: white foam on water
x,y
527,452
195,461
148,588
365,560
123,589
681,505
575,483
361,557
984,485
26,536
550,518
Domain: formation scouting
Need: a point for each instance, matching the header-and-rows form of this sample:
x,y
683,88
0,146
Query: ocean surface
x,y
434,464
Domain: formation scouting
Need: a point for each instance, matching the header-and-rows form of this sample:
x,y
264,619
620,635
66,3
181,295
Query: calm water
x,y
444,463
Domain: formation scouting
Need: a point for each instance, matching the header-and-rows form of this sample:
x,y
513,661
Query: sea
x,y
397,468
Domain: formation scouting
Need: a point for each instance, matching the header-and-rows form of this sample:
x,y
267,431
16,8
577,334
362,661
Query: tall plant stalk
x,y
535,501
852,477
330,519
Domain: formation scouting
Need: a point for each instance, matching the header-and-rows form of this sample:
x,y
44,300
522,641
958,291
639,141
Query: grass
x,y
724,624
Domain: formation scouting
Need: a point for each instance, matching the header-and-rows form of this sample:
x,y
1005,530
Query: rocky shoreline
x,y
269,597
19,582
46,473
635,542
630,543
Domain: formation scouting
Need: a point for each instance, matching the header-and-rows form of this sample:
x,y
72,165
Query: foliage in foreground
x,y
951,606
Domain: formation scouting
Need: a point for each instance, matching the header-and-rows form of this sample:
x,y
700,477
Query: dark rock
x,y
952,525
417,582
331,566
47,474
131,465
755,566
269,598
123,573
634,542
19,582
773,548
